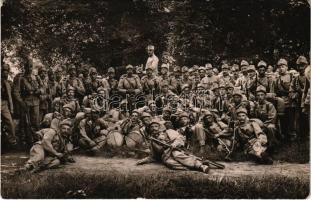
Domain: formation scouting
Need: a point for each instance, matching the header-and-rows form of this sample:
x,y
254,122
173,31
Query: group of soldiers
x,y
165,107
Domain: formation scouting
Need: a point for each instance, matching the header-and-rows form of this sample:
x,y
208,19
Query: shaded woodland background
x,y
106,33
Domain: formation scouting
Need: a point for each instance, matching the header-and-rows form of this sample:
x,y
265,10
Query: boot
x,y
204,169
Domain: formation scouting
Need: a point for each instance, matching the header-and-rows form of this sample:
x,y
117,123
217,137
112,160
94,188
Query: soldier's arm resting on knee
x,y
47,143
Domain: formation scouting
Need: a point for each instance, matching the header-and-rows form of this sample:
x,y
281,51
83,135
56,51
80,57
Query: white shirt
x,y
153,62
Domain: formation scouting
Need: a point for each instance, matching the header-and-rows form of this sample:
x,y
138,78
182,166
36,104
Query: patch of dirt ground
x,y
12,161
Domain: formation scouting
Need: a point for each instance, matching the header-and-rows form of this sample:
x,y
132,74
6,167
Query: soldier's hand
x,y
59,155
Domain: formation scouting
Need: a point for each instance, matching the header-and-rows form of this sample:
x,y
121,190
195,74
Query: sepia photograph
x,y
155,99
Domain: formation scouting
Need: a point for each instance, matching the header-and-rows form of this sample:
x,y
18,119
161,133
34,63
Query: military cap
x,y
225,66
87,110
151,102
241,110
215,86
129,67
206,112
70,88
201,68
167,109
195,67
199,85
42,69
5,67
183,114
301,60
164,83
235,67
66,122
111,70
151,47
282,61
92,70
164,66
244,63
215,70
145,114
222,85
69,106
177,69
72,67
237,92
251,68
184,86
135,111
59,69
229,85
262,64
208,66
124,101
190,70
101,88
261,89
155,121
184,69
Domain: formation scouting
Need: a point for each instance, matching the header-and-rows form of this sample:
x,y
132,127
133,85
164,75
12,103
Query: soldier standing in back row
x,y
27,94
282,87
7,105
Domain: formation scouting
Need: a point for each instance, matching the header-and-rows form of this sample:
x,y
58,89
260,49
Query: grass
x,y
81,184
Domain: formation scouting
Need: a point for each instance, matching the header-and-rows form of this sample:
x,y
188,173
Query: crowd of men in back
x,y
249,108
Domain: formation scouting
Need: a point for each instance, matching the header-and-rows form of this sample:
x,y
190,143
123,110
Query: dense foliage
x,y
113,33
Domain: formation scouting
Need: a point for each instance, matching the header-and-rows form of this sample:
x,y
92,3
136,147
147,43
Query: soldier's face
x,y
166,115
184,121
66,113
65,130
261,96
129,71
94,76
72,73
225,72
261,71
237,98
202,73
164,89
164,70
242,117
154,128
282,69
230,90
134,116
146,120
208,119
111,74
270,69
209,72
149,72
222,91
150,52
5,74
251,73
153,107
43,74
71,94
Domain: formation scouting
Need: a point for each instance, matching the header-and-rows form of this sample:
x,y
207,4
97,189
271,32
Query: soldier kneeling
x,y
53,148
251,138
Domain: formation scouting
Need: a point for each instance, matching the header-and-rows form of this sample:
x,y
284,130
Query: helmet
x,y
66,122
208,66
92,70
262,64
241,110
261,89
145,114
282,61
111,70
244,63
301,60
184,69
129,67
164,66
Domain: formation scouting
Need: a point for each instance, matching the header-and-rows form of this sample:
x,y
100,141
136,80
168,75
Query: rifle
x,y
218,165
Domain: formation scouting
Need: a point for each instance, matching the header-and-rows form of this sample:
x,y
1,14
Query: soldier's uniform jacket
x,y
248,131
26,89
296,90
175,84
113,85
226,80
216,127
188,81
6,94
282,87
91,86
59,102
266,82
127,83
90,129
44,94
266,112
168,136
241,83
150,84
51,138
75,83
